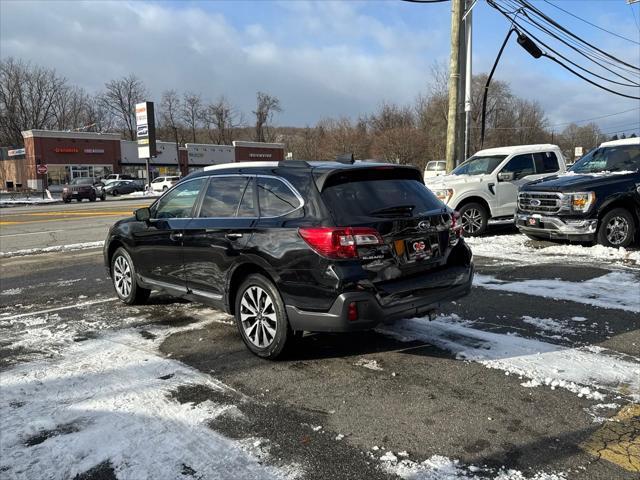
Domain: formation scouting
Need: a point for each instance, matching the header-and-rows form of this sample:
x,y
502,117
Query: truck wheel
x,y
67,200
616,228
474,218
103,197
79,199
123,274
92,198
261,318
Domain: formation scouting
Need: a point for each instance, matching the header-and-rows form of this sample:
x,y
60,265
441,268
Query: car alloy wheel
x,y
122,278
258,316
471,221
617,230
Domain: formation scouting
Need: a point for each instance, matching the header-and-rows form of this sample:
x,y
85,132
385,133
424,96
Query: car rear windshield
x,y
479,165
362,201
609,159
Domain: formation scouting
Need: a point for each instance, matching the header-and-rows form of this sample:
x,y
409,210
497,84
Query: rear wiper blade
x,y
394,209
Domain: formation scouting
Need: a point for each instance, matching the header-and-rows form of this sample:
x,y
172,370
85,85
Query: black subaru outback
x,y
295,246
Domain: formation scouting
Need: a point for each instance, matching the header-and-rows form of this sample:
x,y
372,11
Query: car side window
x,y
275,198
546,162
179,202
520,166
228,197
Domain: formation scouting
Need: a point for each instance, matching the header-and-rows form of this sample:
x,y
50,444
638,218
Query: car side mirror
x,y
506,176
143,214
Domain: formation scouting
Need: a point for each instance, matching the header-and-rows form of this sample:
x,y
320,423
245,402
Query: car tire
x,y
103,197
474,218
92,198
165,188
263,326
114,193
79,200
123,277
616,229
67,200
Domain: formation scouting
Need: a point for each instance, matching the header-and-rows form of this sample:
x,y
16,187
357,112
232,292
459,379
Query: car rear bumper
x,y
580,229
445,285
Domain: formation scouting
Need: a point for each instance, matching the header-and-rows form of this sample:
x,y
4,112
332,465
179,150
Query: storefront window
x,y
58,174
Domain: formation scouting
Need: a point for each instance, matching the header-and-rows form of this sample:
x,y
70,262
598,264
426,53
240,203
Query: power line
x,y
550,57
592,24
573,121
578,47
550,20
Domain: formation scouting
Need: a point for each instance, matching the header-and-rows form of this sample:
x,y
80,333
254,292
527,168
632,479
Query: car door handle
x,y
176,236
233,236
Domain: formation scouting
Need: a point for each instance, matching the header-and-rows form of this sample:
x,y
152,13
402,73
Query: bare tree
x,y
120,98
27,97
71,108
222,120
192,113
266,106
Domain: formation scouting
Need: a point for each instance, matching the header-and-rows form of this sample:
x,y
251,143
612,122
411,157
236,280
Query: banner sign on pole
x,y
145,130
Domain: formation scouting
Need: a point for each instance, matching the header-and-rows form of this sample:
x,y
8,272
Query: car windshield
x,y
609,159
479,165
82,181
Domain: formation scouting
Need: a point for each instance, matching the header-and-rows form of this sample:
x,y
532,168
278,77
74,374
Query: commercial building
x,y
69,155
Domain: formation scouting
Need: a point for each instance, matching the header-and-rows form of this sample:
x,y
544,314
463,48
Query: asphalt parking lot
x,y
534,375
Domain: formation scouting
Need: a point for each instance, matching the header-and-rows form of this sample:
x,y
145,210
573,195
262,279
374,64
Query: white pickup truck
x,y
486,185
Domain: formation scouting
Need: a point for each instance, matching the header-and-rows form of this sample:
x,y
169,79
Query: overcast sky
x,y
322,59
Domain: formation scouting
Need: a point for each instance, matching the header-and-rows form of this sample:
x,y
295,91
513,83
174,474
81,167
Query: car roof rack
x,y
345,158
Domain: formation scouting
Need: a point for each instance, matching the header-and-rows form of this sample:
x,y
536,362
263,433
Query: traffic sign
x,y
42,169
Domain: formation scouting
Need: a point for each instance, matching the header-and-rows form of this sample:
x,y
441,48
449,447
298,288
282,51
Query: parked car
x,y
486,185
83,187
598,200
114,177
295,246
435,168
123,187
162,184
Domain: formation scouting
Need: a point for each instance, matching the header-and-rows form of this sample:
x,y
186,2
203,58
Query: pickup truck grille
x,y
539,202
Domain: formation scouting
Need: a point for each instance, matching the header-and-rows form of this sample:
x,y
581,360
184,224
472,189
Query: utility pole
x,y
467,79
454,78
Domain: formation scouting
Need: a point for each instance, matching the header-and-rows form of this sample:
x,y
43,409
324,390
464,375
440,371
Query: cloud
x,y
320,58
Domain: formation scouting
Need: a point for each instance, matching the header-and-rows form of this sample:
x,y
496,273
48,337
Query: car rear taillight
x,y
340,242
456,229
352,312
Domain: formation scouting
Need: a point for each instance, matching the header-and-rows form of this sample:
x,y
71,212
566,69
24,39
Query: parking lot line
x,y
618,441
58,309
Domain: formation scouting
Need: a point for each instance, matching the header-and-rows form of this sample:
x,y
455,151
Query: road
x,y
44,226
339,403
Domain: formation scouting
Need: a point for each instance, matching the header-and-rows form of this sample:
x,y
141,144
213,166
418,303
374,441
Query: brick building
x,y
69,155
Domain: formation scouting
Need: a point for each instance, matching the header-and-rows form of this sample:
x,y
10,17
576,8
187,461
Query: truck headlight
x,y
444,194
65,190
581,202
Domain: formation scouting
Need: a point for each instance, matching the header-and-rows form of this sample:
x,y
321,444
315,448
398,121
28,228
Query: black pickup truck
x,y
597,200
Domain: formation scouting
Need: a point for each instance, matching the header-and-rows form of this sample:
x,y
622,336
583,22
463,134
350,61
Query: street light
x,y
526,43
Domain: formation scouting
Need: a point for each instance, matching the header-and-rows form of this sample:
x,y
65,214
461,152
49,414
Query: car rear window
x,y
364,200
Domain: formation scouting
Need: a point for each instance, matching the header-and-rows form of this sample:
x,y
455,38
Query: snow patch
x,y
109,400
438,467
582,370
614,290
370,364
520,249
12,291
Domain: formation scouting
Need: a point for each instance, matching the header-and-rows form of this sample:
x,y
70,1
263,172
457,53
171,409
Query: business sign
x,y
16,152
578,151
93,150
145,130
66,150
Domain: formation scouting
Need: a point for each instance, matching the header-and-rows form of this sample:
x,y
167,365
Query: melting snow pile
x,y
57,248
584,370
615,290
